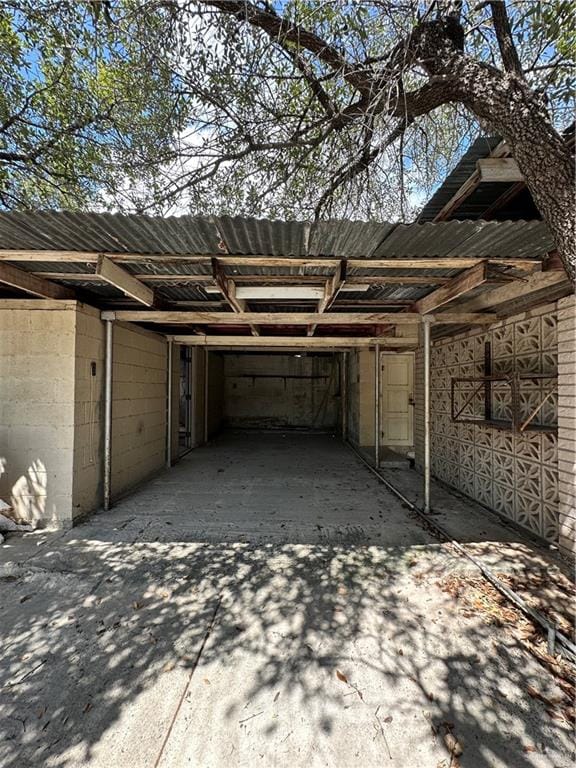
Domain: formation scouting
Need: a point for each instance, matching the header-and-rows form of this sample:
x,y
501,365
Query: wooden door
x,y
396,399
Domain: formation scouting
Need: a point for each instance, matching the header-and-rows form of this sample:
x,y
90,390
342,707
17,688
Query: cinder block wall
x,y
215,392
139,376
514,474
51,408
282,391
37,409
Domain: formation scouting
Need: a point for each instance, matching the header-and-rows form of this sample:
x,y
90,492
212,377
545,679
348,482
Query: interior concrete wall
x,y
282,391
216,395
514,474
37,409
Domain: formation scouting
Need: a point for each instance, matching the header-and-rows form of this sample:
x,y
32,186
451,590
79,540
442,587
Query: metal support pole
x,y
426,322
344,393
108,416
377,406
206,382
169,406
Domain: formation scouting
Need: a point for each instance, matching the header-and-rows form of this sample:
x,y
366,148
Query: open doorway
x,y
185,401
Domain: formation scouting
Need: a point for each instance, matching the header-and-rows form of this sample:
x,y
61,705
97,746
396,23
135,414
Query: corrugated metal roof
x,y
173,237
116,233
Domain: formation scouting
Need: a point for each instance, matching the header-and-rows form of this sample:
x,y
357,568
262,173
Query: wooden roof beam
x,y
228,288
418,262
458,286
122,279
502,150
515,290
290,318
29,283
331,289
296,342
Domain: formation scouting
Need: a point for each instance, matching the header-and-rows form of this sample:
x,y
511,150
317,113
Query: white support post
x,y
377,406
206,399
169,406
108,416
344,393
426,322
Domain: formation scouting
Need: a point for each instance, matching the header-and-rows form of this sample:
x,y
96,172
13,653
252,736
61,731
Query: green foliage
x,y
174,106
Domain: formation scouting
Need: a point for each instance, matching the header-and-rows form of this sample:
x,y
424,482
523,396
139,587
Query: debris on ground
x,y
479,598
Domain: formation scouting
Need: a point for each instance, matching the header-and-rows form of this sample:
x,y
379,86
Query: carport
x,y
179,327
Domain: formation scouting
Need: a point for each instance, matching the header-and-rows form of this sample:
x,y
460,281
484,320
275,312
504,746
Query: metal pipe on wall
x,y
169,406
377,406
108,416
426,322
344,393
206,382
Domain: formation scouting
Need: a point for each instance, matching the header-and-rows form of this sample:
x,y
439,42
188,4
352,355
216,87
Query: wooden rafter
x,y
520,289
469,186
418,263
331,289
291,318
228,289
457,287
120,278
38,286
297,342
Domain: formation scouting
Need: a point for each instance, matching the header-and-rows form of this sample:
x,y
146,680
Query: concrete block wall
x,y
216,388
51,408
567,423
139,377
514,474
37,410
282,391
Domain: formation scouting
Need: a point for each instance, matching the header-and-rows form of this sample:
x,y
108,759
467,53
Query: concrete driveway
x,y
266,602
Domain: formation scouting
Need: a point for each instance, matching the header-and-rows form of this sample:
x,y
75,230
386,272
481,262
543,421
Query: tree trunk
x,y
514,111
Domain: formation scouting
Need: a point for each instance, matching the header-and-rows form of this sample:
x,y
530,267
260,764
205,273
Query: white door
x,y
396,398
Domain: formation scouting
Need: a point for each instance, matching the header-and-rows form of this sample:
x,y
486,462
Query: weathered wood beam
x,y
124,281
293,282
331,288
296,342
270,293
228,289
499,169
290,318
457,286
515,290
259,261
38,286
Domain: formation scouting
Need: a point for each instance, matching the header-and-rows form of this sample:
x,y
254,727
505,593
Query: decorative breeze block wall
x,y
513,474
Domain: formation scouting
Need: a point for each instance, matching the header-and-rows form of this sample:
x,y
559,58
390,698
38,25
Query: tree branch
x,y
503,31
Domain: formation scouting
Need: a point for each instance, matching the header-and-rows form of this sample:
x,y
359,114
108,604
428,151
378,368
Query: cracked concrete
x,y
266,602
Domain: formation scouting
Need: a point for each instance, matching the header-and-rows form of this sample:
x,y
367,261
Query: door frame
x,y
411,402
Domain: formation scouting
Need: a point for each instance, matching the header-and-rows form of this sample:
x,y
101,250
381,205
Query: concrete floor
x,y
266,602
